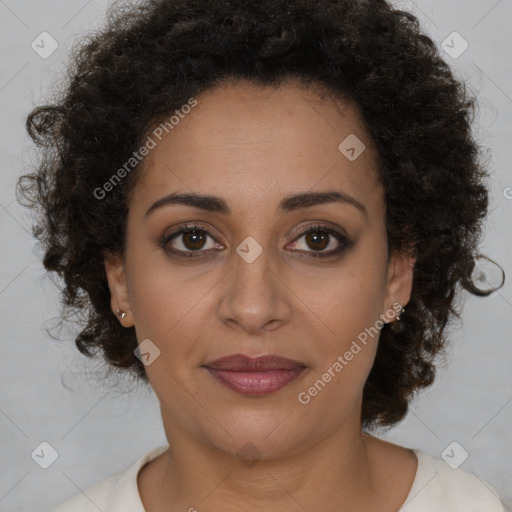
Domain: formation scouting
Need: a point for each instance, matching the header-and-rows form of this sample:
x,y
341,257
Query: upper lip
x,y
241,363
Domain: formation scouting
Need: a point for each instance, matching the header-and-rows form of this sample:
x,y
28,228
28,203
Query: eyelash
x,y
344,241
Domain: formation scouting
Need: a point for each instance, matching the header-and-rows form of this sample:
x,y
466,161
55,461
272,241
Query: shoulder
x,y
118,492
437,486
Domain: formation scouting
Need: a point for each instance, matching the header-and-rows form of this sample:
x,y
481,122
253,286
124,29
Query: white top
x,y
436,488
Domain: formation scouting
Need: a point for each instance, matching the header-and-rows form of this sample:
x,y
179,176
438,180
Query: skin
x,y
253,146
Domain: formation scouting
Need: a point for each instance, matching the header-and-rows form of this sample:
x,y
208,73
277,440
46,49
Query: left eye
x,y
319,238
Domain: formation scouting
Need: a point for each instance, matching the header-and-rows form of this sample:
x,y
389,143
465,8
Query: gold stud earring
x,y
397,325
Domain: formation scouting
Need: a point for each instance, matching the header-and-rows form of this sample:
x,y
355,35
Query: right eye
x,y
192,238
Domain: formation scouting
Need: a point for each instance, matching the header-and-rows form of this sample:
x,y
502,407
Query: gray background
x,y
49,392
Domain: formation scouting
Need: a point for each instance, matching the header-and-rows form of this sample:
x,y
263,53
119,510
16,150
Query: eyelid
x,y
320,225
338,233
166,238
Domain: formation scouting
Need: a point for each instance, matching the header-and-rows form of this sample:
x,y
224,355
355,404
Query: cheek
x,y
169,307
349,325
169,310
345,346
350,300
347,314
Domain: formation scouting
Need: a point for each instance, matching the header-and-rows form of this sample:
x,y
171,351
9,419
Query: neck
x,y
333,474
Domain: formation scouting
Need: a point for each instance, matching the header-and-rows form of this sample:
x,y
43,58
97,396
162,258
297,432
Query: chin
x,y
250,434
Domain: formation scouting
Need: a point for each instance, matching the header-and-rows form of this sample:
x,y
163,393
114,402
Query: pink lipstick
x,y
255,377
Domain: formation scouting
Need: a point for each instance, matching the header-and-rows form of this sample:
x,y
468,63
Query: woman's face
x,y
248,281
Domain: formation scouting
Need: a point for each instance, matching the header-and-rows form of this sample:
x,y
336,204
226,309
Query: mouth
x,y
255,377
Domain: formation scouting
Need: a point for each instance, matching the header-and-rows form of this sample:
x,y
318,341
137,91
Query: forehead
x,y
254,145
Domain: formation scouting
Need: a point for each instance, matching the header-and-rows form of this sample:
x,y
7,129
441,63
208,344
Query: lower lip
x,y
256,383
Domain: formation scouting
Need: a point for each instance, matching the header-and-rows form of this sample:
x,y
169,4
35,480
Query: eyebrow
x,y
294,202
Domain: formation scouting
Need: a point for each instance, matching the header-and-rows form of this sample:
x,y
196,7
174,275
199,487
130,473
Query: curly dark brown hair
x,y
151,57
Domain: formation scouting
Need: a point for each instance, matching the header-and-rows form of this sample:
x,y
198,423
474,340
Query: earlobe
x,y
399,279
116,278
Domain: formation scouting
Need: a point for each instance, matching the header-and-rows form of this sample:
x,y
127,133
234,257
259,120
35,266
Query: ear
x,y
116,277
399,280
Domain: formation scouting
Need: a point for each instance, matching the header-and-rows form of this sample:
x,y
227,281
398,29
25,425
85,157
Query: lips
x,y
255,376
241,363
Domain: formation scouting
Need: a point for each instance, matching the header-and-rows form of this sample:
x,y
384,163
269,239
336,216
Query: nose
x,y
254,297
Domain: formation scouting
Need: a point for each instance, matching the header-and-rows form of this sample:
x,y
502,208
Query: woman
x,y
267,208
